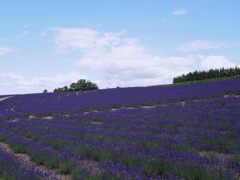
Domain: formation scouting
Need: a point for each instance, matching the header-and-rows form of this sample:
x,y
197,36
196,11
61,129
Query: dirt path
x,y
225,96
26,159
4,98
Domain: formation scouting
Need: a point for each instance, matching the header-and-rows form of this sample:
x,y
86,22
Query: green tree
x,y
58,90
65,88
73,87
212,73
81,85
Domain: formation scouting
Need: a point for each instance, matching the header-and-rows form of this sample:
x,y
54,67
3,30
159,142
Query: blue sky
x,y
52,43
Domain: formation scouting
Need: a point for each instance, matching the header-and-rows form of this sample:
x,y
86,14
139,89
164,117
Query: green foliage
x,y
98,137
81,85
81,173
51,163
45,91
66,167
39,160
63,89
6,176
18,148
154,166
147,104
199,81
82,150
34,137
211,74
64,113
2,137
58,144
27,134
237,158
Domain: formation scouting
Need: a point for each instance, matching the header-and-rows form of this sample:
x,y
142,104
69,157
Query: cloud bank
x,y
117,60
201,44
5,50
216,62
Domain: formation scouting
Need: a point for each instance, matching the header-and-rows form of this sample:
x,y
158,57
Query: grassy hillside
x,y
200,81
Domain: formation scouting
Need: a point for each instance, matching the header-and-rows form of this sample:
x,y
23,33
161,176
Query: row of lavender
x,y
43,150
199,140
12,167
67,102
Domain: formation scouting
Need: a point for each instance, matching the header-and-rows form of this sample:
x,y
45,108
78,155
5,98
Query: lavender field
x,y
187,132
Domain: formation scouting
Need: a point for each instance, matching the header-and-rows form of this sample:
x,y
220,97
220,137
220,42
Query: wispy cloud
x,y
11,76
37,84
84,39
214,62
25,32
5,84
83,23
42,34
5,50
201,44
27,26
22,34
49,82
3,39
179,12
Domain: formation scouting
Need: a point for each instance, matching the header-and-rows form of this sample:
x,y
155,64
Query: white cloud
x,y
215,62
164,19
42,34
11,76
201,44
25,32
83,23
4,50
38,84
52,82
129,65
74,38
179,12
84,39
26,88
117,61
27,26
5,84
3,39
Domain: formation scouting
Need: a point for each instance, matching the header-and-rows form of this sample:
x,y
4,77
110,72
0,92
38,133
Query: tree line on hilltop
x,y
81,85
212,73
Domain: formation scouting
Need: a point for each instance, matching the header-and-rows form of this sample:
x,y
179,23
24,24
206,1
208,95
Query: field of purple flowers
x,y
187,132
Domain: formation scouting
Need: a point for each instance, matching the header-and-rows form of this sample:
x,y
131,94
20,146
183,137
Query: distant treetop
x,y
81,85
